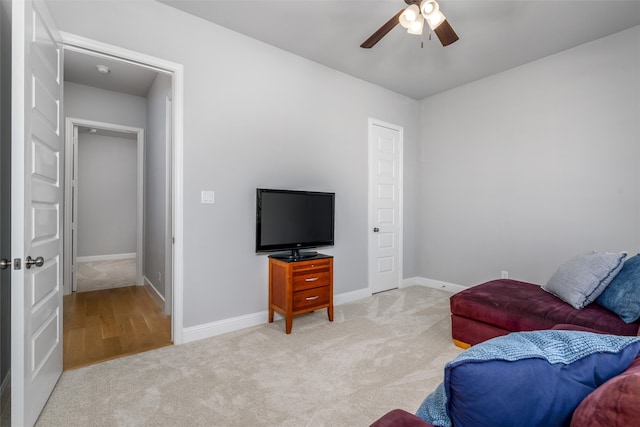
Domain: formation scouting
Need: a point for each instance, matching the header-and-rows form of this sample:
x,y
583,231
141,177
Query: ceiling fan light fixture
x,y
412,18
409,16
435,19
428,7
416,26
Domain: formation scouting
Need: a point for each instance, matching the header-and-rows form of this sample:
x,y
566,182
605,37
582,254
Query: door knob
x,y
38,262
4,263
376,229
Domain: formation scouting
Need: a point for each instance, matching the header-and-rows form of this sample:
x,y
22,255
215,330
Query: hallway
x,y
107,324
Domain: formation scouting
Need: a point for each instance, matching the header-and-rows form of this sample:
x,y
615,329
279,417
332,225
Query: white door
x,y
36,214
5,204
385,206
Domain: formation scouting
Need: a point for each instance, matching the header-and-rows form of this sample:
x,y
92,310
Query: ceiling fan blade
x,y
382,31
445,33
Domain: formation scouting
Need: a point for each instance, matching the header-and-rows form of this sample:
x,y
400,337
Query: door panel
x,y
385,206
5,201
37,148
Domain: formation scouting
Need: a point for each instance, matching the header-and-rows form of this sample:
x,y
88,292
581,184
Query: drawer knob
x,y
312,298
311,279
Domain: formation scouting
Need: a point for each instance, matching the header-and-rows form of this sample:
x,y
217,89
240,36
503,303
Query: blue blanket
x,y
500,382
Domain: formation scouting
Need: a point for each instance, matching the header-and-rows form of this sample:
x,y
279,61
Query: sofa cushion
x,y
613,404
622,296
400,418
519,306
526,379
583,278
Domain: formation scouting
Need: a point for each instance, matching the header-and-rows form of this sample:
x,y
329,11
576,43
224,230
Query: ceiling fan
x,y
413,18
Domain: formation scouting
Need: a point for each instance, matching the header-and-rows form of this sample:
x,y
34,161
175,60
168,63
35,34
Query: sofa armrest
x,y
400,418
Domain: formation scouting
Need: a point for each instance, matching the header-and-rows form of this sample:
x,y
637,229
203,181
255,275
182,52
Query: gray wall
x,y
99,233
107,195
256,116
155,183
525,169
90,103
5,189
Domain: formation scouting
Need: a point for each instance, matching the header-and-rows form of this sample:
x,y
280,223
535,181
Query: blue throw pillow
x,y
622,296
526,379
583,278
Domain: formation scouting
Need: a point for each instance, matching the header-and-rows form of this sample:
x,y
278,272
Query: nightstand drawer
x,y
310,265
311,279
310,298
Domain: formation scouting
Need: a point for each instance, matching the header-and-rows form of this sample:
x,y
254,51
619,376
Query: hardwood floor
x,y
106,324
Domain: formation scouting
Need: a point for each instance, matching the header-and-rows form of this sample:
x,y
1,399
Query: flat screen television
x,y
289,220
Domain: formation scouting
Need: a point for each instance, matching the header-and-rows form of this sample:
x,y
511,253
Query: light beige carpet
x,y
383,352
98,275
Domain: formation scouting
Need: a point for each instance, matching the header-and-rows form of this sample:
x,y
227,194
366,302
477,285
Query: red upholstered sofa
x,y
613,404
502,306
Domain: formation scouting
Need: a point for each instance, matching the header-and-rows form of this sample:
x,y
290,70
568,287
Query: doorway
x,y
156,215
104,208
36,115
385,206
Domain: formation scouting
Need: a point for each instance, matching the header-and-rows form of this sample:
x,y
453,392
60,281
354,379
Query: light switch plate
x,y
207,197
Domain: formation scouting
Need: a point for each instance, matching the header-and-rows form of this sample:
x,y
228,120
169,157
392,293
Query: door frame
x,y
176,72
71,203
370,224
169,208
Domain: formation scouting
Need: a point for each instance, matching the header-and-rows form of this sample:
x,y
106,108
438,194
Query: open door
x,y
36,210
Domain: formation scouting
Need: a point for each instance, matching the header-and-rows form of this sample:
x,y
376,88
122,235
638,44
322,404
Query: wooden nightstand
x,y
297,287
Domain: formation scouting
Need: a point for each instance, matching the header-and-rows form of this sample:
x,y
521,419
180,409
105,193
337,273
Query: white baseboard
x,y
156,296
351,296
110,257
432,283
207,330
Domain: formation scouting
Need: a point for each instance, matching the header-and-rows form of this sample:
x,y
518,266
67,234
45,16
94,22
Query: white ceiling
x,y
494,35
125,77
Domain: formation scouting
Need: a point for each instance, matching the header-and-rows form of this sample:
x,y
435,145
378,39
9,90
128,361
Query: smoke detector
x,y
103,69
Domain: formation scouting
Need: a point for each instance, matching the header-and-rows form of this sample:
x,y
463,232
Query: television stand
x,y
294,255
299,286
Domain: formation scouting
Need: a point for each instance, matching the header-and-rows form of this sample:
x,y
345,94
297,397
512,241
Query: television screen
x,y
292,220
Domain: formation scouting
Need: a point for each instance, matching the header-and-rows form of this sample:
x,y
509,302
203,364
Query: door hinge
x,y
17,264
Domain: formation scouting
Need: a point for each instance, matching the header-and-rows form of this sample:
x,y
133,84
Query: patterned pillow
x,y
526,379
622,296
582,279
